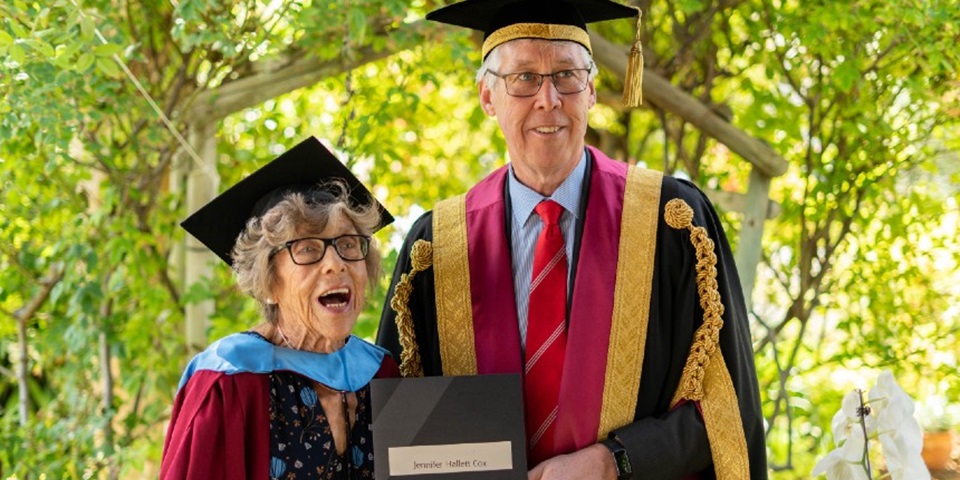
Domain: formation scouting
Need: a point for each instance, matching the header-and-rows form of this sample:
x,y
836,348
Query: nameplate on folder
x,y
435,428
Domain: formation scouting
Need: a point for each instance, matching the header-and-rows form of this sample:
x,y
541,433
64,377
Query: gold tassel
x,y
633,84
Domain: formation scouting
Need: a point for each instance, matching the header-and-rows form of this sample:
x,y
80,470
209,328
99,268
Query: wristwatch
x,y
620,458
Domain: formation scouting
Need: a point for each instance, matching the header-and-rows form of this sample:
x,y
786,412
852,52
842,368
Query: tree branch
x,y
23,315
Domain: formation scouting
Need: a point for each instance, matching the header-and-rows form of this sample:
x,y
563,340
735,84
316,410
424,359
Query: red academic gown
x,y
220,425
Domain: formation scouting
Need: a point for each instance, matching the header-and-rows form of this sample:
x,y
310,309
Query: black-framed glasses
x,y
310,250
527,84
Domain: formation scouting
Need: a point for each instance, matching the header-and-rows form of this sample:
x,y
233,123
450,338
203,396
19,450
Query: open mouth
x,y
336,298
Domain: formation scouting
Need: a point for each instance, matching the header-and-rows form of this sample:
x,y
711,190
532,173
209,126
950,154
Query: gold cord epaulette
x,y
421,257
679,215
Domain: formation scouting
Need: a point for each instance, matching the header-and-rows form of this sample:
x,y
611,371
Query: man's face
x,y
544,133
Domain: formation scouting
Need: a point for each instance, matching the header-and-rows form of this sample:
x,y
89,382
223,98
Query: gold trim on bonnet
x,y
705,377
544,31
631,299
458,352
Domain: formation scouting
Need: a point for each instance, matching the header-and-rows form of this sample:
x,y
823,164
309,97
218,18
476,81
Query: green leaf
x,y
18,29
5,38
109,67
358,26
71,49
107,50
87,29
85,61
17,53
43,48
690,6
846,75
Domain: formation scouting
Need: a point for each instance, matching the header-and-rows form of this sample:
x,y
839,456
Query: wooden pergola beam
x,y
660,92
268,83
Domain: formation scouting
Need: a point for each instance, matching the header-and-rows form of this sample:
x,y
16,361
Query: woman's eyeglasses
x,y
310,250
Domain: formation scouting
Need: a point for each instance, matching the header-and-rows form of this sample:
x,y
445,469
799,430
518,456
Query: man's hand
x,y
592,463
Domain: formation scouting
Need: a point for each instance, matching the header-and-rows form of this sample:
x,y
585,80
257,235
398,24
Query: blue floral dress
x,y
301,441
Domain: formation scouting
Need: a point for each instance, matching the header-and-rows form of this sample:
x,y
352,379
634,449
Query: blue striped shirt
x,y
526,226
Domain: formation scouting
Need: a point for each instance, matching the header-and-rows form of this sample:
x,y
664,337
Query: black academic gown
x,y
661,443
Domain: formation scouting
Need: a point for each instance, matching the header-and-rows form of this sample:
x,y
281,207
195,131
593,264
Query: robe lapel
x,y
496,330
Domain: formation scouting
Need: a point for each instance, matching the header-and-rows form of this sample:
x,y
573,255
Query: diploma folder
x,y
439,428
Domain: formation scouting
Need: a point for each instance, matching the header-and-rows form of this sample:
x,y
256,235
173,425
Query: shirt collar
x,y
524,199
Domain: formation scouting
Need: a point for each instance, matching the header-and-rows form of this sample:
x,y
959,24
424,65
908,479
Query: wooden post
x,y
755,211
203,183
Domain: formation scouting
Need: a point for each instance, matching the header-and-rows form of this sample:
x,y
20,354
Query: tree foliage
x,y
860,268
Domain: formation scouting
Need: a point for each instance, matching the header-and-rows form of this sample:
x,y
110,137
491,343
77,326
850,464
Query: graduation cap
x,y
301,169
504,20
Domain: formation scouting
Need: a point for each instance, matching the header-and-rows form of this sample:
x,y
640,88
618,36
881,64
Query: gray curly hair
x,y
294,216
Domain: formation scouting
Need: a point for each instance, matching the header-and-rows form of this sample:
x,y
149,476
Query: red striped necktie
x,y
546,334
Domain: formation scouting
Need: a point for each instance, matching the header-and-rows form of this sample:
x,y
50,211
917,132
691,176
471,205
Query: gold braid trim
x,y
545,31
631,298
451,268
679,215
705,377
421,257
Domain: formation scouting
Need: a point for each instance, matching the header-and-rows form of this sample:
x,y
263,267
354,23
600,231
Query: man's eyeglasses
x,y
527,84
310,250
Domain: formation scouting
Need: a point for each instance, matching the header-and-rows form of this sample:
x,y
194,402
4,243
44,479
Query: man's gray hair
x,y
494,60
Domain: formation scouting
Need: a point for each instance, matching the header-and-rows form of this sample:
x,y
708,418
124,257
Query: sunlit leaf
x,y
109,67
41,47
87,29
107,50
17,53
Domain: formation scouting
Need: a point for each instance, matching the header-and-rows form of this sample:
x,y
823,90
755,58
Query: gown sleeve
x,y
672,443
219,428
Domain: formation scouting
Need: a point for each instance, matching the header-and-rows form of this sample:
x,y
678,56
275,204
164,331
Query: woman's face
x,y
323,299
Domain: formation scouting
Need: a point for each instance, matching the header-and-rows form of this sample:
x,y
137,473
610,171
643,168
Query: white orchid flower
x,y
839,468
846,462
899,433
846,422
887,416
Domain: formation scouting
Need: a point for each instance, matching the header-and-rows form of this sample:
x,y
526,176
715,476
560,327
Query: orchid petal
x,y
836,468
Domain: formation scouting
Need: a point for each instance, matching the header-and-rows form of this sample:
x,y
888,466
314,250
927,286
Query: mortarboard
x,y
505,20
301,169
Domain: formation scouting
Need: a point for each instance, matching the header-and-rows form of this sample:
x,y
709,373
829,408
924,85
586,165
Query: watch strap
x,y
620,458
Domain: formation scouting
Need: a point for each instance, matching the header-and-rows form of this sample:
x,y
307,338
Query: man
x,y
582,274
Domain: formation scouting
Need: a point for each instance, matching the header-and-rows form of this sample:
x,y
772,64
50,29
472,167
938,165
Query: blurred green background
x,y
111,113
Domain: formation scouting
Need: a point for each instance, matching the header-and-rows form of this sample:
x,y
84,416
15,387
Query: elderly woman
x,y
290,397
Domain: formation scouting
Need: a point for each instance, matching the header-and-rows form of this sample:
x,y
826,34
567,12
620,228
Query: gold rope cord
x,y
631,299
545,31
451,267
679,215
421,257
705,378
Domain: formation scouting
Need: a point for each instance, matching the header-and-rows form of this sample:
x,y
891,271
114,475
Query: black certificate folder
x,y
438,428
